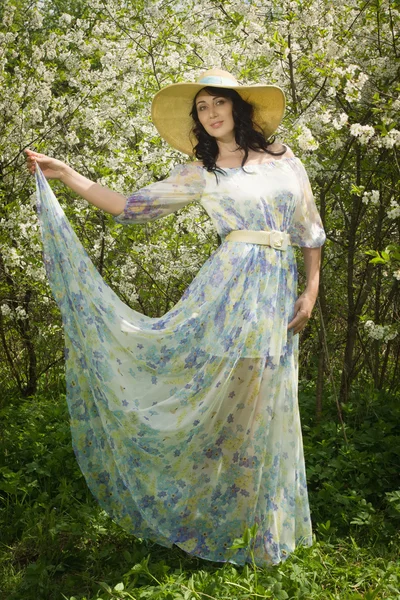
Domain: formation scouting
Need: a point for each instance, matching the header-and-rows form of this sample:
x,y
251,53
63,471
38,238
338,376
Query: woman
x,y
186,426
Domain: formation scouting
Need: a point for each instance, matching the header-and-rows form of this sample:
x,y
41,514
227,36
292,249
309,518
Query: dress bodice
x,y
273,195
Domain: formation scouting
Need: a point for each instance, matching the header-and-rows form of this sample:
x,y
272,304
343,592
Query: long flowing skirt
x,y
182,438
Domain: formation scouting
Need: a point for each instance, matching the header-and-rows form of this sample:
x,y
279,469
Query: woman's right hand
x,y
50,167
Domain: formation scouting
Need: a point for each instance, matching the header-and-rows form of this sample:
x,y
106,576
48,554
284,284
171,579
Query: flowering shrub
x,y
77,83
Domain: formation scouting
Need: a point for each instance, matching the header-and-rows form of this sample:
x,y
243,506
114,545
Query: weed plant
x,y
57,543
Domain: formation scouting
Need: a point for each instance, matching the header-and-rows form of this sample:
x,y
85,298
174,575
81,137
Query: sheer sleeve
x,y
306,227
184,184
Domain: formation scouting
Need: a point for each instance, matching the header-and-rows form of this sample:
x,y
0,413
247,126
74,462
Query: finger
x,y
297,329
300,320
301,325
293,323
34,155
31,165
30,152
31,161
298,316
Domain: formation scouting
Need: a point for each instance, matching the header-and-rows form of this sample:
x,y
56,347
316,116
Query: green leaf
x,y
247,536
357,190
238,543
253,530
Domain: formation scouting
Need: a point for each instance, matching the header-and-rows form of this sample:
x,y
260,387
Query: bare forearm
x,y
312,263
96,194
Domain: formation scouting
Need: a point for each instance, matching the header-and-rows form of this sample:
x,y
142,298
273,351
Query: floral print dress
x,y
186,426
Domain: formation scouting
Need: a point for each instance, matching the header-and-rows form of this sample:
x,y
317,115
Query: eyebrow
x,y
204,102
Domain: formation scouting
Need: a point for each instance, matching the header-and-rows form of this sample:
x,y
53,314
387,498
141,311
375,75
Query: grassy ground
x,y
57,544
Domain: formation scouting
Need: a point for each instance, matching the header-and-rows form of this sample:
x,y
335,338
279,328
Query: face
x,y
215,114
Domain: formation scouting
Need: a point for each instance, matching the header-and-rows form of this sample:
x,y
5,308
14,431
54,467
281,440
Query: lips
x,y
216,124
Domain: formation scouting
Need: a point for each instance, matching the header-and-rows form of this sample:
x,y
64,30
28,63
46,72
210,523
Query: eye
x,y
201,107
220,101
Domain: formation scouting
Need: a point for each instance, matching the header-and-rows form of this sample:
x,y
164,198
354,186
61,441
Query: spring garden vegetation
x,y
77,78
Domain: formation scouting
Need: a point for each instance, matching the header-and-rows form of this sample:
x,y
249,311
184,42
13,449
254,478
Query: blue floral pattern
x,y
186,426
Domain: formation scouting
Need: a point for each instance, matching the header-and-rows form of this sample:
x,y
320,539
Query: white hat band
x,y
212,79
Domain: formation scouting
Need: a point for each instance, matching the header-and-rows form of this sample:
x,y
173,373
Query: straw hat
x,y
171,107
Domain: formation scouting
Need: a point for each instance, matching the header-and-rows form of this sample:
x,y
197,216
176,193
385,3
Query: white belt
x,y
277,239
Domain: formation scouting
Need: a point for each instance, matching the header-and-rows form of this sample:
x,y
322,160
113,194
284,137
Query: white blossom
x,y
36,19
21,313
391,139
5,310
340,121
331,91
371,197
326,116
363,132
394,212
384,333
65,19
306,140
35,114
71,138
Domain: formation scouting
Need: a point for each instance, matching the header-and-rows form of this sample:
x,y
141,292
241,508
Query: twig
x,y
328,363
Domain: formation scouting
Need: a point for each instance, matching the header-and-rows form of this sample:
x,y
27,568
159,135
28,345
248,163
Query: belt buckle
x,y
278,240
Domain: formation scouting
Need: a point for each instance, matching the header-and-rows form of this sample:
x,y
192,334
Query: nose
x,y
213,112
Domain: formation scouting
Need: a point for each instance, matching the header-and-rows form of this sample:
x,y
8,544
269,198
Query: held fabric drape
x,y
186,426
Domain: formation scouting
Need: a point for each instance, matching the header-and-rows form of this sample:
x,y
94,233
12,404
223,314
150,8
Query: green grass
x,y
56,543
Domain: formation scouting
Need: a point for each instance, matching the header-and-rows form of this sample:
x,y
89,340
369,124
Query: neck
x,y
227,147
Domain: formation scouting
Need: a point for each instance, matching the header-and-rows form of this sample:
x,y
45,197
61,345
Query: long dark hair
x,y
248,135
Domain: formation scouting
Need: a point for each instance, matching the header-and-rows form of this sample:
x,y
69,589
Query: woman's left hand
x,y
302,312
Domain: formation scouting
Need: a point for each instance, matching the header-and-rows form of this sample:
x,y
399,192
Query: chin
x,y
213,133
219,134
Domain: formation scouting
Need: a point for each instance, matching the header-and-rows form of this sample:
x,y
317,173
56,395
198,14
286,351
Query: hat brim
x,y
171,106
